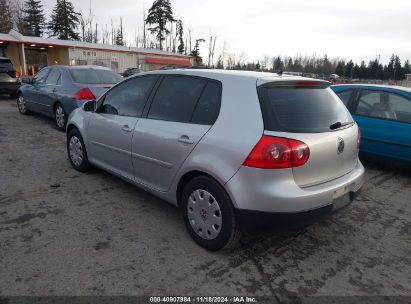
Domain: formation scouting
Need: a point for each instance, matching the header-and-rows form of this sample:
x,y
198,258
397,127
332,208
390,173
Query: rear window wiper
x,y
340,124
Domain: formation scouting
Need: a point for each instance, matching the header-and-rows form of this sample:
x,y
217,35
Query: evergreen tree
x,y
159,14
398,72
407,67
64,21
119,38
339,70
180,33
355,71
389,71
278,64
34,17
198,60
6,16
362,71
349,69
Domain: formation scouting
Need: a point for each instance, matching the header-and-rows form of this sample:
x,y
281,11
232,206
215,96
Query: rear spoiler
x,y
296,83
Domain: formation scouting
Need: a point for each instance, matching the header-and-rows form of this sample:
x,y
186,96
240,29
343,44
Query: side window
x,y
401,107
41,76
128,98
176,98
368,103
345,96
53,77
208,106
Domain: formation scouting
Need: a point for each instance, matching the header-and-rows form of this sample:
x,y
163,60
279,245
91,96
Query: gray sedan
x,y
236,151
56,91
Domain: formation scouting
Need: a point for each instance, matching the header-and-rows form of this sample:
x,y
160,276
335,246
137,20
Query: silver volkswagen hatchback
x,y
236,151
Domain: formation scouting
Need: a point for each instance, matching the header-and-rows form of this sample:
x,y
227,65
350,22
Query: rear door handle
x,y
126,128
184,139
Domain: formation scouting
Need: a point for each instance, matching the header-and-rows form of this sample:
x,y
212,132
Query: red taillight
x,y
307,83
84,94
359,139
17,74
278,153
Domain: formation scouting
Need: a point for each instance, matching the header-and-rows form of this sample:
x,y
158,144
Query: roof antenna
x,y
280,72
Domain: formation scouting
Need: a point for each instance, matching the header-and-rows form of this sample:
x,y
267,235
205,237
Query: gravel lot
x,y
66,233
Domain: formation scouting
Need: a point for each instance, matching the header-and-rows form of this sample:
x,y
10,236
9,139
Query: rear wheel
x,y
76,151
21,105
60,116
209,214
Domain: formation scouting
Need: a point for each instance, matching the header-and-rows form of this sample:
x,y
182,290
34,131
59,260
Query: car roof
x,y
380,86
96,67
223,74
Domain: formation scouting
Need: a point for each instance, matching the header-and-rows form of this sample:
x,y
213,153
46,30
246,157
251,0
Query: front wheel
x,y
209,214
60,117
76,151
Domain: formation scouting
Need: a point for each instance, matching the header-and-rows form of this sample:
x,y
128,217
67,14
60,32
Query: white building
x,y
29,54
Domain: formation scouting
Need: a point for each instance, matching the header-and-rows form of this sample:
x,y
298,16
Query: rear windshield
x,y
91,76
5,64
301,110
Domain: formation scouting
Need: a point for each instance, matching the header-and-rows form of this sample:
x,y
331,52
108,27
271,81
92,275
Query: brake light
x,y
84,94
307,83
359,138
17,74
278,153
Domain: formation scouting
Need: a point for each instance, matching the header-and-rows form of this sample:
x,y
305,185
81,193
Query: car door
x,y
48,91
110,128
181,112
384,118
32,92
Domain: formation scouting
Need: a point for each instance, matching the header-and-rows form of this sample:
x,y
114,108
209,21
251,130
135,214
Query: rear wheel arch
x,y
187,177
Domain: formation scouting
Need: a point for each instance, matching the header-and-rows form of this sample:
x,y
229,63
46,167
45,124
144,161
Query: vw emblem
x,y
340,145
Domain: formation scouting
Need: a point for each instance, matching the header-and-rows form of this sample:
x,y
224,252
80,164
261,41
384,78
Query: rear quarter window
x,y
301,109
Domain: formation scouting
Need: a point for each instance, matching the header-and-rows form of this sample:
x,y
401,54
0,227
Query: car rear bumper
x,y
257,222
275,191
9,87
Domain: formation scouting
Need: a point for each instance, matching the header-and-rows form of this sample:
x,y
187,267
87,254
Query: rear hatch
x,y
96,79
307,110
7,71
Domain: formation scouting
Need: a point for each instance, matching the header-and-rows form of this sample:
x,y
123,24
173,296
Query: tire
x,y
60,116
21,105
76,151
209,214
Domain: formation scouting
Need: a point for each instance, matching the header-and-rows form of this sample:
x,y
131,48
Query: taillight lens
x,y
278,153
84,94
18,74
359,138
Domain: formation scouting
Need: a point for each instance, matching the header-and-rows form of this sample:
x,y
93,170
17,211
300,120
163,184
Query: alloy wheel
x,y
60,117
21,104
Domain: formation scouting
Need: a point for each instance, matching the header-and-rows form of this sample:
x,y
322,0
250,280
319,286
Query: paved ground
x,y
97,235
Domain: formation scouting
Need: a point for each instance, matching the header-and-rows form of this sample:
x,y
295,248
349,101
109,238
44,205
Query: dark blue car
x,y
383,114
56,91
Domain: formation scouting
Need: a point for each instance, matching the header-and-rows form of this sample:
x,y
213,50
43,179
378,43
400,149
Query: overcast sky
x,y
357,29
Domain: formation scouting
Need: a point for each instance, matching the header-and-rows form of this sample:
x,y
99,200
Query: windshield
x,y
94,76
302,109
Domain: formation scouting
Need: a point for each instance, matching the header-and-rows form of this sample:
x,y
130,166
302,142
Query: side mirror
x,y
26,79
90,106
